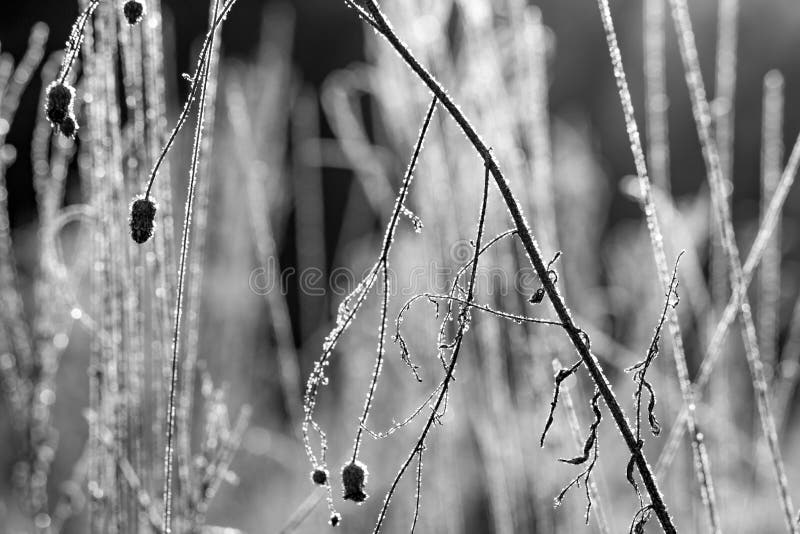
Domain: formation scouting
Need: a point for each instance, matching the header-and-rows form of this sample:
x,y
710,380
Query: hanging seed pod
x,y
354,478
143,214
335,519
319,476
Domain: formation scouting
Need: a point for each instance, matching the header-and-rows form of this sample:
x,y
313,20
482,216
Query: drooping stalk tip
x,y
354,478
143,214
134,11
336,517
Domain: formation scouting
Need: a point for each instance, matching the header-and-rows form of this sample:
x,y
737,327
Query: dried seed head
x,y
335,519
59,102
143,213
134,11
354,477
68,127
319,476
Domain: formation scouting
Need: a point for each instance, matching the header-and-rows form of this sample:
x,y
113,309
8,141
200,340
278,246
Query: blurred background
x,y
314,122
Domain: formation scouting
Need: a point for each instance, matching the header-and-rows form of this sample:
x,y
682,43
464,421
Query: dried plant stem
x,y
346,314
703,470
75,40
701,112
656,100
727,40
723,115
383,263
196,82
715,345
770,272
463,321
532,250
188,505
723,109
203,73
577,435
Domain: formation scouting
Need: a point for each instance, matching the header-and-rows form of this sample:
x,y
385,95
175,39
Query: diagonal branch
x,y
577,336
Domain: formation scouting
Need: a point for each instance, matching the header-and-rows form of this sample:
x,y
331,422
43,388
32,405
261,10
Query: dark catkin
x,y
143,214
335,519
354,478
319,476
59,102
133,11
68,127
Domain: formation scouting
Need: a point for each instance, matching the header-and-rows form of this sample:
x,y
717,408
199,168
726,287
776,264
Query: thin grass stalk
x,y
655,93
770,271
725,93
182,270
99,42
723,116
532,251
134,163
196,83
187,499
702,468
107,46
90,161
139,96
161,265
463,321
715,346
383,267
724,111
701,112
